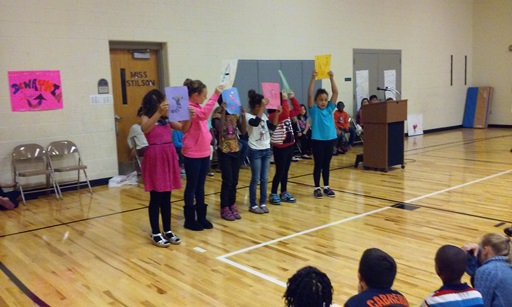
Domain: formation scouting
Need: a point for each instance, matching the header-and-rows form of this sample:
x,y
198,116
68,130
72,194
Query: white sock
x,y
326,187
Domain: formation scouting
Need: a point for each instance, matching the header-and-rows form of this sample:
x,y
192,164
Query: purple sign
x,y
178,103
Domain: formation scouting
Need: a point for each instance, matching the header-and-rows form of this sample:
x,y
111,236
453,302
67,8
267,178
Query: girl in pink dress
x,y
160,167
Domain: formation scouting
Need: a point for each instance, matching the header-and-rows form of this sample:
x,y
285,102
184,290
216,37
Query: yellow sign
x,y
322,66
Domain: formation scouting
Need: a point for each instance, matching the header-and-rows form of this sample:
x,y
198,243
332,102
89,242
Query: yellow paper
x,y
322,66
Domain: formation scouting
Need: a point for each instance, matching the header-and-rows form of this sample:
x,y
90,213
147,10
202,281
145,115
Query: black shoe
x,y
318,193
329,192
190,219
201,216
508,231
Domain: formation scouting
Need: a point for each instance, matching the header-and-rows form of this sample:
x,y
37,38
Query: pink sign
x,y
272,92
35,90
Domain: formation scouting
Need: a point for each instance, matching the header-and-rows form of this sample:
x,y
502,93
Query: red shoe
x,y
226,214
234,210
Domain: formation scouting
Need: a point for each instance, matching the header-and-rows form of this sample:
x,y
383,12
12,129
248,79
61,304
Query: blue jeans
x,y
260,163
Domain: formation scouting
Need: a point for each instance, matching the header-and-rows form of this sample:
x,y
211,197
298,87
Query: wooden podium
x,y
384,134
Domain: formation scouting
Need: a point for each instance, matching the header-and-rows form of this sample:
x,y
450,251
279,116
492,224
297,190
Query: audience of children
x,y
490,268
342,122
304,132
177,140
450,264
377,271
309,287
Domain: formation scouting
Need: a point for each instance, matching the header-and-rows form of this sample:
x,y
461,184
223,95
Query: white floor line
x,y
458,186
252,271
224,259
301,233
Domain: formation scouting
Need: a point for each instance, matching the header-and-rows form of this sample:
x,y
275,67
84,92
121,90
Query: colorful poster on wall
x,y
178,103
272,92
322,66
36,90
232,99
228,72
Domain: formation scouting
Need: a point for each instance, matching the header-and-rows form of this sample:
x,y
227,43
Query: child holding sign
x,y
282,143
259,150
228,151
323,135
160,169
196,154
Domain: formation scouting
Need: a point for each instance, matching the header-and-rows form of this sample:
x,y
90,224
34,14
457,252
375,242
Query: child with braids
x,y
309,287
160,169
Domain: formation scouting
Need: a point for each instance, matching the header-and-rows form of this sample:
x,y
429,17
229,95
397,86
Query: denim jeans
x,y
260,163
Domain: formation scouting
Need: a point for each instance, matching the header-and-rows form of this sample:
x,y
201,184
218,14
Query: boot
x,y
201,216
190,219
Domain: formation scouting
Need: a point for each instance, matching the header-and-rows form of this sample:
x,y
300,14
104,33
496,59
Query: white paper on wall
x,y
390,82
414,124
362,86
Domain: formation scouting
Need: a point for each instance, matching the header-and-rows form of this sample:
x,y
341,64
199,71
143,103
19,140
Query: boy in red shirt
x,y
341,120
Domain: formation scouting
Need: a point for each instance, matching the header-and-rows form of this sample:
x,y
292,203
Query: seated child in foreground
x,y
451,263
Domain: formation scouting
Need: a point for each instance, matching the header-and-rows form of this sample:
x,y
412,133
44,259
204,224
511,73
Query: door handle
x,y
116,119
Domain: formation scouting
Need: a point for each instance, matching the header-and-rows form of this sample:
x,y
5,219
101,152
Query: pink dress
x,y
160,167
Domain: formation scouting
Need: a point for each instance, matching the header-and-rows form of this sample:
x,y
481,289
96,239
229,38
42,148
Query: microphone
x,y
382,88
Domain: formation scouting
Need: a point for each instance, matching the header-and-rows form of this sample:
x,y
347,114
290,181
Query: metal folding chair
x,y
63,156
29,160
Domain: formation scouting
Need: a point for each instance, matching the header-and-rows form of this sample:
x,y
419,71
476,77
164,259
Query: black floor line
x,y
37,301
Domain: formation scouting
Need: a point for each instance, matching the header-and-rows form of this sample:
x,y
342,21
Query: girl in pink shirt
x,y
196,154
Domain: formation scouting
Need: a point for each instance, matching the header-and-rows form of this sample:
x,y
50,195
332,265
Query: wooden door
x,y
131,79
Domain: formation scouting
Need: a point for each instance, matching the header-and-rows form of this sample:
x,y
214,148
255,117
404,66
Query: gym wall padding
x,y
478,105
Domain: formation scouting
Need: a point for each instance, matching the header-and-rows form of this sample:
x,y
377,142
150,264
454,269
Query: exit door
x,y
133,75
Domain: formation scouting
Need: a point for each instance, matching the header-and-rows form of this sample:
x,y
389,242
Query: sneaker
x,y
294,159
318,193
329,192
264,208
287,197
226,214
274,199
304,156
234,210
256,209
211,174
171,237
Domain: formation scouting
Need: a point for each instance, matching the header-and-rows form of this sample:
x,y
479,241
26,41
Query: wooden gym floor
x,y
94,250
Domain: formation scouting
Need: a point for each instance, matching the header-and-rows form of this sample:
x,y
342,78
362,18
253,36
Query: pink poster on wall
x,y
35,90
